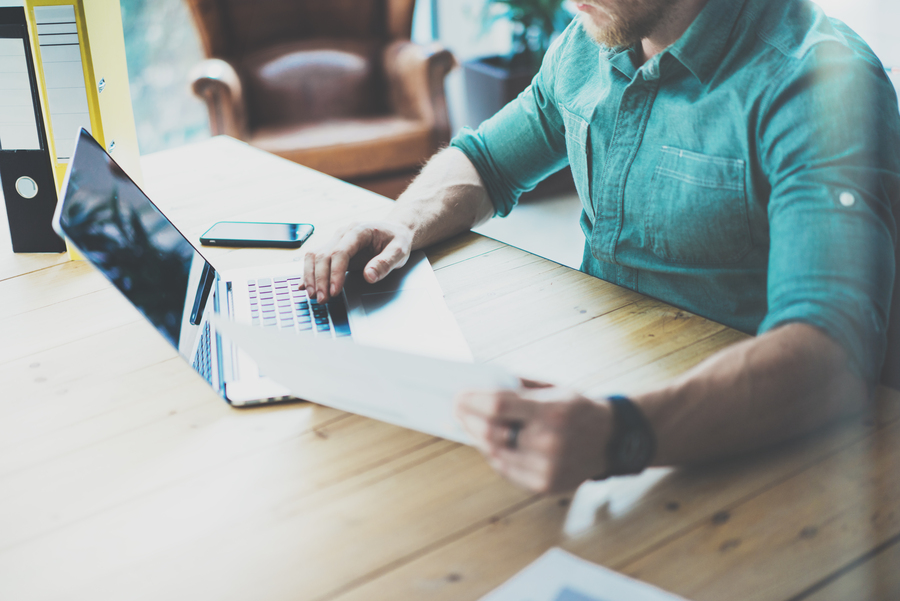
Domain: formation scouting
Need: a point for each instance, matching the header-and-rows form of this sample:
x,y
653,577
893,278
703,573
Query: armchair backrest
x,y
231,29
314,80
305,60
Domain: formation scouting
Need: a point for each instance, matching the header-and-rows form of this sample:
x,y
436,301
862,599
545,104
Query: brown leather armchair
x,y
335,85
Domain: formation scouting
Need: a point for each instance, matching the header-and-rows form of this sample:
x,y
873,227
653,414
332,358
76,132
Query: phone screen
x,y
257,234
235,230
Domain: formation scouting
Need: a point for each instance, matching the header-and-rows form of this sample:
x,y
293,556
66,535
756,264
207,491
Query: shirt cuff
x,y
502,194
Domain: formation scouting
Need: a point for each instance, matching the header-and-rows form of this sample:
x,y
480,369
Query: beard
x,y
627,22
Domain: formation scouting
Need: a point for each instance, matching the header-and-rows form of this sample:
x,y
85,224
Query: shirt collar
x,y
701,47
620,58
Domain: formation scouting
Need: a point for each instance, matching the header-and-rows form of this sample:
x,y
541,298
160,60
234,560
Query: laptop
x,y
119,230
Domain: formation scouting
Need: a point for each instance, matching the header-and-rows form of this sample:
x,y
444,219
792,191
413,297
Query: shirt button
x,y
847,199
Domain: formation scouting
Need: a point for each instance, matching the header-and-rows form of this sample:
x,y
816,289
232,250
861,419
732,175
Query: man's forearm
x,y
778,386
447,198
760,392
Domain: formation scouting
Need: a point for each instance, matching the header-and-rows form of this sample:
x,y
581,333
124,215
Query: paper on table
x,y
407,390
560,576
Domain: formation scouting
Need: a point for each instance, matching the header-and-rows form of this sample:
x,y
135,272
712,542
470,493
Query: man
x,y
737,158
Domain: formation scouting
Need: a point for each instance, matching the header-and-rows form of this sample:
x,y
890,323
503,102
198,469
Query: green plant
x,y
534,24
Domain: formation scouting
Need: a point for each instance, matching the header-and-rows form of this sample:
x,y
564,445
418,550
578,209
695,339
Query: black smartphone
x,y
247,233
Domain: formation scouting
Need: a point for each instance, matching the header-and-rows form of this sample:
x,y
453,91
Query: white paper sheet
x,y
407,390
560,576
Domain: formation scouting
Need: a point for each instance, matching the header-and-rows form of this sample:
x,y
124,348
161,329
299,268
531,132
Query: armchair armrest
x,y
415,77
217,83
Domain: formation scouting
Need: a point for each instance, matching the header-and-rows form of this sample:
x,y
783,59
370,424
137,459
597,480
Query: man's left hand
x,y
541,437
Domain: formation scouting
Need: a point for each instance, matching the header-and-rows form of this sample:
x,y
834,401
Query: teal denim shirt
x,y
746,174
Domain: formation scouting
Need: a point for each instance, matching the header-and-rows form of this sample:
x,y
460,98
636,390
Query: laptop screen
x,y
122,233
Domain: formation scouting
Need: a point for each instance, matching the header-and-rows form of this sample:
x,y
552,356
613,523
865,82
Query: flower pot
x,y
491,83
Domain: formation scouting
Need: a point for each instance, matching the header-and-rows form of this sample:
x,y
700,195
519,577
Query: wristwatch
x,y
633,443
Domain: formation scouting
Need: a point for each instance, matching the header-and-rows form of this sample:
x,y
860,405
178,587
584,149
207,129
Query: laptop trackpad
x,y
411,320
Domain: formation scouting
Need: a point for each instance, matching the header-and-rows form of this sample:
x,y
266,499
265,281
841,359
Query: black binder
x,y
26,172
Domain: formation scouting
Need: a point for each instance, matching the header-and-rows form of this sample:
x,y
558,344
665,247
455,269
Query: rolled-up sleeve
x,y
523,143
829,139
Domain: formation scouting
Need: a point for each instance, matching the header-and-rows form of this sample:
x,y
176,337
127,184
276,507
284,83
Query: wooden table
x,y
123,476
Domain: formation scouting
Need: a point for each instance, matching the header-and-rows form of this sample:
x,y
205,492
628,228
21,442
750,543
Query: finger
x,y
523,471
479,433
527,468
310,258
309,273
339,263
490,437
529,383
344,251
393,256
500,404
533,471
322,277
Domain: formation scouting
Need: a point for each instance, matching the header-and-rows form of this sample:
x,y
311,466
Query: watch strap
x,y
629,425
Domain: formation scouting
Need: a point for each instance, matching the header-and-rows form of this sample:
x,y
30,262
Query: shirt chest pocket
x,y
697,211
578,149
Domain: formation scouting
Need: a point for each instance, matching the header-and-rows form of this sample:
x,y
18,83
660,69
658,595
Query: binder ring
x,y
26,187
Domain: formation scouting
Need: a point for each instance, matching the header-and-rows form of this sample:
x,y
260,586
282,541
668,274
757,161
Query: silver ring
x,y
512,436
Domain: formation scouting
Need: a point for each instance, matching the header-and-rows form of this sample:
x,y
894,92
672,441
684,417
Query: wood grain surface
x,y
123,476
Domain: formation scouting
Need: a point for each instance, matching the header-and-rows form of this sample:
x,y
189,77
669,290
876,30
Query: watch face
x,y
633,451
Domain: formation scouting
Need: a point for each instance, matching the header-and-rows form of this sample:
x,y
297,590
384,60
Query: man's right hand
x,y
376,247
447,198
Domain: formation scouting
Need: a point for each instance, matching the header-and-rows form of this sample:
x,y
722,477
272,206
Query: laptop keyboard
x,y
280,303
202,362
